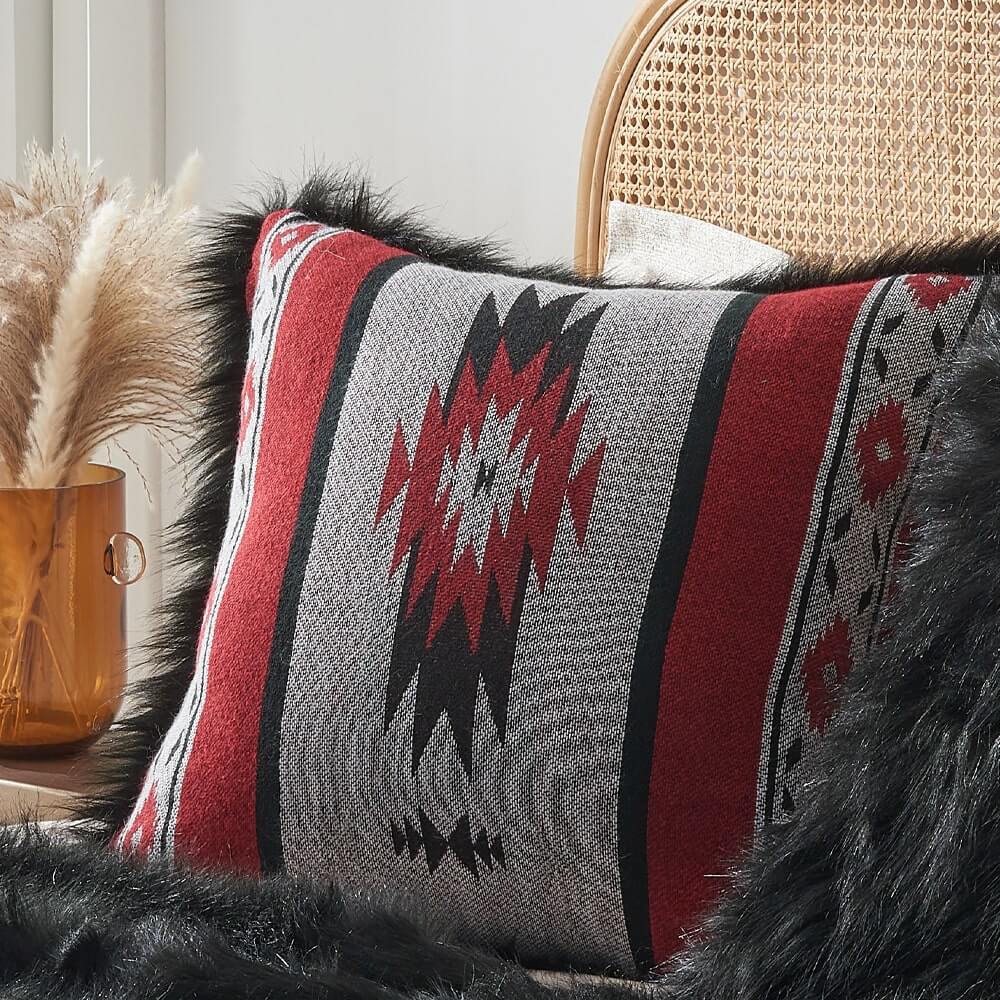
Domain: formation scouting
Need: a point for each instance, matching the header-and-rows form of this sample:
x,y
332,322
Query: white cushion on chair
x,y
646,244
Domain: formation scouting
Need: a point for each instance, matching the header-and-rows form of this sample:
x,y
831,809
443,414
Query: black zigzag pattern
x,y
484,849
449,668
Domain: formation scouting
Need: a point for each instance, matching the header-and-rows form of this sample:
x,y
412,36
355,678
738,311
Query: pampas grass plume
x,y
182,194
97,332
59,373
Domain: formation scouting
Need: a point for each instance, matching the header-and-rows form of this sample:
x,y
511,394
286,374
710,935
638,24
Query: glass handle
x,y
124,558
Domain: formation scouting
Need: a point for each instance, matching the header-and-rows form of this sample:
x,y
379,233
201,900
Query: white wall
x,y
8,91
474,110
25,79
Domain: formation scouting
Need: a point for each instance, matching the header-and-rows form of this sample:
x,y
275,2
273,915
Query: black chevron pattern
x,y
473,853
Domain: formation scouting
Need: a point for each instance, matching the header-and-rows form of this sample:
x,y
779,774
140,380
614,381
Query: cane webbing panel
x,y
816,126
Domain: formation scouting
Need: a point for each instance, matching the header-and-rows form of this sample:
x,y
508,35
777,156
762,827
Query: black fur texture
x,y
78,922
886,886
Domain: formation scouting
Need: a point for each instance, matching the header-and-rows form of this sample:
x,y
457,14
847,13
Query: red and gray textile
x,y
534,599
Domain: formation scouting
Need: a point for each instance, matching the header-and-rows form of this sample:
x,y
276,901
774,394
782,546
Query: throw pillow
x,y
648,244
532,596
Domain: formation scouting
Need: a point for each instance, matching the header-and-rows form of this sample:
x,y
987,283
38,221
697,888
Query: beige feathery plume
x,y
41,224
26,306
97,332
182,194
142,359
50,430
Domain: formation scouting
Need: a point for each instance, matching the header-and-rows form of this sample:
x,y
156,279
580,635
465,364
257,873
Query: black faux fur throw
x,y
885,887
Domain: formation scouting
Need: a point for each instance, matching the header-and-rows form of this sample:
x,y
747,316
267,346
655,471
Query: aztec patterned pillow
x,y
533,597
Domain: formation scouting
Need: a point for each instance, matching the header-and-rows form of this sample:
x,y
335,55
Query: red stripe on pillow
x,y
734,599
216,815
265,230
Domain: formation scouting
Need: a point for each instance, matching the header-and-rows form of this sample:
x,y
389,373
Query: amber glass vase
x,y
65,561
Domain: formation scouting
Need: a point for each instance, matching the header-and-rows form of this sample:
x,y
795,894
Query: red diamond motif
x,y
486,483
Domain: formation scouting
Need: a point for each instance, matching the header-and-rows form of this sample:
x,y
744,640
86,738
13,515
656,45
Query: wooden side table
x,y
40,789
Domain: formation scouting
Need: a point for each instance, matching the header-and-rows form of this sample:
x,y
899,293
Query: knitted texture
x,y
534,599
